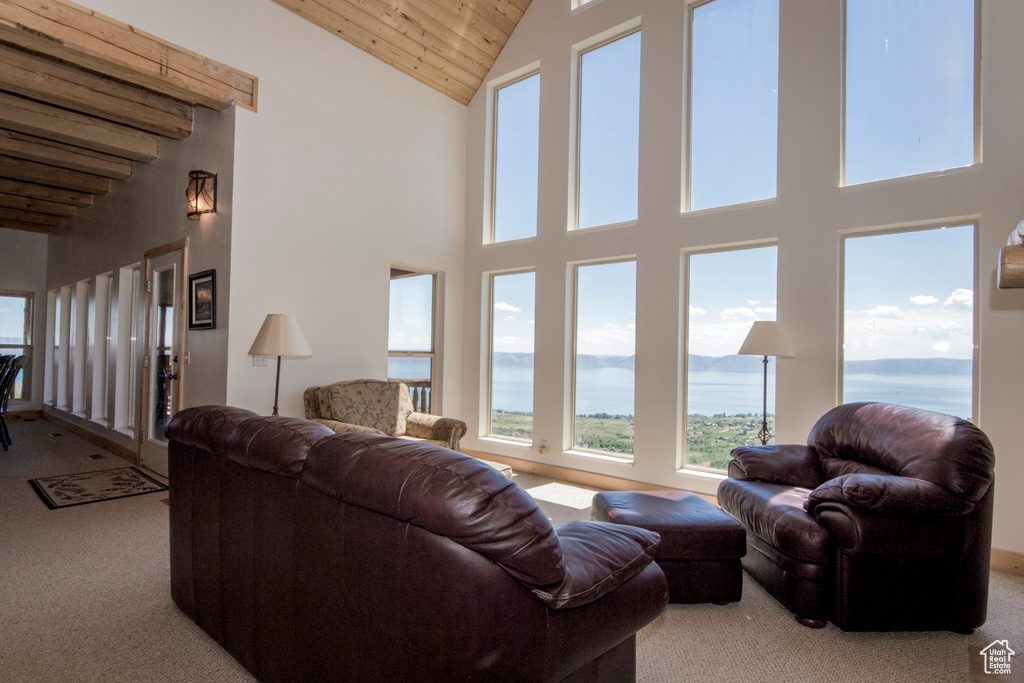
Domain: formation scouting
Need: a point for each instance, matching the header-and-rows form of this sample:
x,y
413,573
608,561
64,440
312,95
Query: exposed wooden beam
x,y
43,120
21,225
69,87
77,35
59,154
29,171
45,192
11,201
30,217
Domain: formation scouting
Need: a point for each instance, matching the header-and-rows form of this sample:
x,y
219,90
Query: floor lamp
x,y
280,336
765,339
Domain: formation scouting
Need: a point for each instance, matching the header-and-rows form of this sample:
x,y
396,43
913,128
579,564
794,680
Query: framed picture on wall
x,y
202,300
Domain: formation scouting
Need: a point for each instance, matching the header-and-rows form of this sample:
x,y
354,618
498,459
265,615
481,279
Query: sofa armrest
x,y
345,427
893,495
598,558
787,464
436,428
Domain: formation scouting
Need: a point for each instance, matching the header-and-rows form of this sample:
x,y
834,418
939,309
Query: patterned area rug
x,y
93,487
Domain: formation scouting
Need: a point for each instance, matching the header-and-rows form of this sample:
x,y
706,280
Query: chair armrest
x,y
893,495
866,533
435,428
598,558
345,427
787,464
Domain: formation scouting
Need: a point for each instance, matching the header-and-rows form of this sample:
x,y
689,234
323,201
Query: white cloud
x,y
510,318
960,298
942,347
737,314
924,300
695,311
631,327
529,322
5,310
502,306
753,302
761,310
885,312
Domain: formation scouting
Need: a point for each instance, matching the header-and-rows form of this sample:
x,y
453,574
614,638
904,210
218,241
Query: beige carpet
x,y
84,597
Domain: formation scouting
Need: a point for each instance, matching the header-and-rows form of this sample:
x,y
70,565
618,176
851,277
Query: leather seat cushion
x,y
775,514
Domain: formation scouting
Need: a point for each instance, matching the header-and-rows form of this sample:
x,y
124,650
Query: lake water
x,y
611,390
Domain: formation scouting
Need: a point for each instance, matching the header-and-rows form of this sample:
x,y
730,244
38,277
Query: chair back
x,y
375,403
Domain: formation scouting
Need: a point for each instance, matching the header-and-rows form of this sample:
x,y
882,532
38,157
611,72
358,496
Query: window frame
x,y
488,375
28,346
436,332
845,235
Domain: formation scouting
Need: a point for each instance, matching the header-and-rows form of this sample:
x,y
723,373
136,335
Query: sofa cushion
x,y
206,427
775,514
880,438
278,445
381,405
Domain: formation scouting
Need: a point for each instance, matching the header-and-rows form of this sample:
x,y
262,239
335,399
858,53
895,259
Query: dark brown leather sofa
x,y
883,521
313,556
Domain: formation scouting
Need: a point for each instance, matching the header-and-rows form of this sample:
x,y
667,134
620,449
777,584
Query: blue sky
x,y
513,299
12,318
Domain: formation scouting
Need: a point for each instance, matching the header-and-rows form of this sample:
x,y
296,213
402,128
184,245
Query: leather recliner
x,y
313,556
883,521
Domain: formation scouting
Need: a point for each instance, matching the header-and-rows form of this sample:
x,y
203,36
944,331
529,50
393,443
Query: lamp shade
x,y
280,336
765,339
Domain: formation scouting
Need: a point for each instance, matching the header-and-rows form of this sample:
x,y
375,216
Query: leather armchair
x,y
883,521
375,406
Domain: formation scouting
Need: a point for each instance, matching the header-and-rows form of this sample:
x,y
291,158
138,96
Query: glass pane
x,y
135,306
415,372
909,319
516,149
163,351
734,102
13,317
609,135
909,87
728,292
411,315
605,357
512,324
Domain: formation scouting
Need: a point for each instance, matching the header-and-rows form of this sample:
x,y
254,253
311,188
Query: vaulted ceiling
x,y
84,97
449,45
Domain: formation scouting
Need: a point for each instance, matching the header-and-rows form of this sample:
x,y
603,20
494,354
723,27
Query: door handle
x,y
171,376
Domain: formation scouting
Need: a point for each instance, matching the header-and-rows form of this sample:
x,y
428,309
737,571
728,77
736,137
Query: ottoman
x,y
701,546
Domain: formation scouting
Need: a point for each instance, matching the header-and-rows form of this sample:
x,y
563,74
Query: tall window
x,y
411,335
511,374
16,336
605,355
727,292
910,87
516,150
100,347
128,345
908,333
609,133
80,347
734,102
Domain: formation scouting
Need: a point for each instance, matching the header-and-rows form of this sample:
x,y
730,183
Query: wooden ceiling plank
x,y
42,120
20,225
30,217
65,156
73,33
486,10
11,201
371,44
354,12
32,172
431,34
45,192
463,15
72,88
452,29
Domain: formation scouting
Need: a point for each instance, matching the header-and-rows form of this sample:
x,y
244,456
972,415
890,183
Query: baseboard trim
x,y
91,436
23,415
597,481
1007,561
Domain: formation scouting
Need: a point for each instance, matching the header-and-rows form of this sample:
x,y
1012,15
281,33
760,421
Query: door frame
x,y
181,315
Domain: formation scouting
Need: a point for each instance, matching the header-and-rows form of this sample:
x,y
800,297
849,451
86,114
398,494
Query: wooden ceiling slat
x,y
31,172
22,225
476,23
30,217
77,35
487,10
11,201
43,120
452,29
44,192
72,88
59,154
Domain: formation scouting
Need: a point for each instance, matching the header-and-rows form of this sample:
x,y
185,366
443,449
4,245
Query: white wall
x,y
806,220
349,166
24,270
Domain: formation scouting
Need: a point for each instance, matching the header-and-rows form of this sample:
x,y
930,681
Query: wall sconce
x,y
201,193
1011,261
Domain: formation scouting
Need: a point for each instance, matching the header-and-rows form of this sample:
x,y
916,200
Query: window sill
x,y
917,177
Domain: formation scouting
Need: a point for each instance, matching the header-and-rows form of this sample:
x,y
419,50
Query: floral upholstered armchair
x,y
379,407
